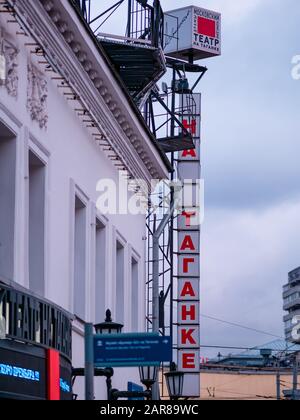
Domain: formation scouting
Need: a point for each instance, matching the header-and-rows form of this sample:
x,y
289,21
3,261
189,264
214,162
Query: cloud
x,y
233,11
246,256
250,115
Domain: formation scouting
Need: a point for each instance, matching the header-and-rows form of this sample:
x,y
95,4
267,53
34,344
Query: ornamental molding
x,y
56,27
37,94
9,64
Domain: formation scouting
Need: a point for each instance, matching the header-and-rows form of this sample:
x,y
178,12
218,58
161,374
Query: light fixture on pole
x,y
148,375
108,326
175,381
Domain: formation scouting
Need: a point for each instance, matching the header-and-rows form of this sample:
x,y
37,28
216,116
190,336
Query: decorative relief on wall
x,y
37,94
8,65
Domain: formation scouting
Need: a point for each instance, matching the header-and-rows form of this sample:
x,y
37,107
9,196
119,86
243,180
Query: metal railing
x,y
144,21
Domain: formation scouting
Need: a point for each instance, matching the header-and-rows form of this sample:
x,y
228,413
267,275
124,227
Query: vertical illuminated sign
x,y
188,295
53,379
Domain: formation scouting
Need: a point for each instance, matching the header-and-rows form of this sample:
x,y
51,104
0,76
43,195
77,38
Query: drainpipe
x,y
156,236
89,362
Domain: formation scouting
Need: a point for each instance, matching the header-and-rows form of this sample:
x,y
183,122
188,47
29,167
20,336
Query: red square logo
x,y
207,27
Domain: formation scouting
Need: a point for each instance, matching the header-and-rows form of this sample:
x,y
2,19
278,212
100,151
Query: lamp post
x,y
108,326
175,381
148,376
89,362
295,377
108,373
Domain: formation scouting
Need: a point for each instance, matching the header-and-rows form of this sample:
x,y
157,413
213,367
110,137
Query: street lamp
x,y
148,375
174,382
108,326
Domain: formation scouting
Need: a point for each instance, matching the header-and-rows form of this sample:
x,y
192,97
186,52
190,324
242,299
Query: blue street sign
x,y
126,350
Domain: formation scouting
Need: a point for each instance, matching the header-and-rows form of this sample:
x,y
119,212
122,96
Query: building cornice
x,y
56,27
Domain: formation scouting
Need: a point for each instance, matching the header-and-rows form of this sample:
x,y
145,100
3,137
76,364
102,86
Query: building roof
x,y
296,270
122,85
277,347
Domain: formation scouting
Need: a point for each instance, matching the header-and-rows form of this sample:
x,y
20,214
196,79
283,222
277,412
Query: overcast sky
x,y
251,153
250,157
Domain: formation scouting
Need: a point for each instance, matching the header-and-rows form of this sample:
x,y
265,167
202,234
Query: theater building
x,y
66,122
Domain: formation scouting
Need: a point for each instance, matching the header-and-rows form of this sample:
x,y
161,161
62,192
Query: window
x,y
80,259
7,202
36,224
120,282
100,271
292,298
134,295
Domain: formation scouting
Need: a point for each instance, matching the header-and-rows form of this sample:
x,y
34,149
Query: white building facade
x,y
66,122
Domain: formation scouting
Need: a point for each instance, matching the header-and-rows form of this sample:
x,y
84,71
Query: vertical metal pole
x,y
108,387
295,377
156,6
89,17
89,362
129,18
278,389
155,293
155,283
155,303
191,58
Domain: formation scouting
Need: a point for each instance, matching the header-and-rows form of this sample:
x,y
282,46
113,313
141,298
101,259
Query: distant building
x,y
235,383
269,355
291,301
262,373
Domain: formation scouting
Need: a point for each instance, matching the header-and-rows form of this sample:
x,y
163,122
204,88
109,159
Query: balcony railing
x,y
145,19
